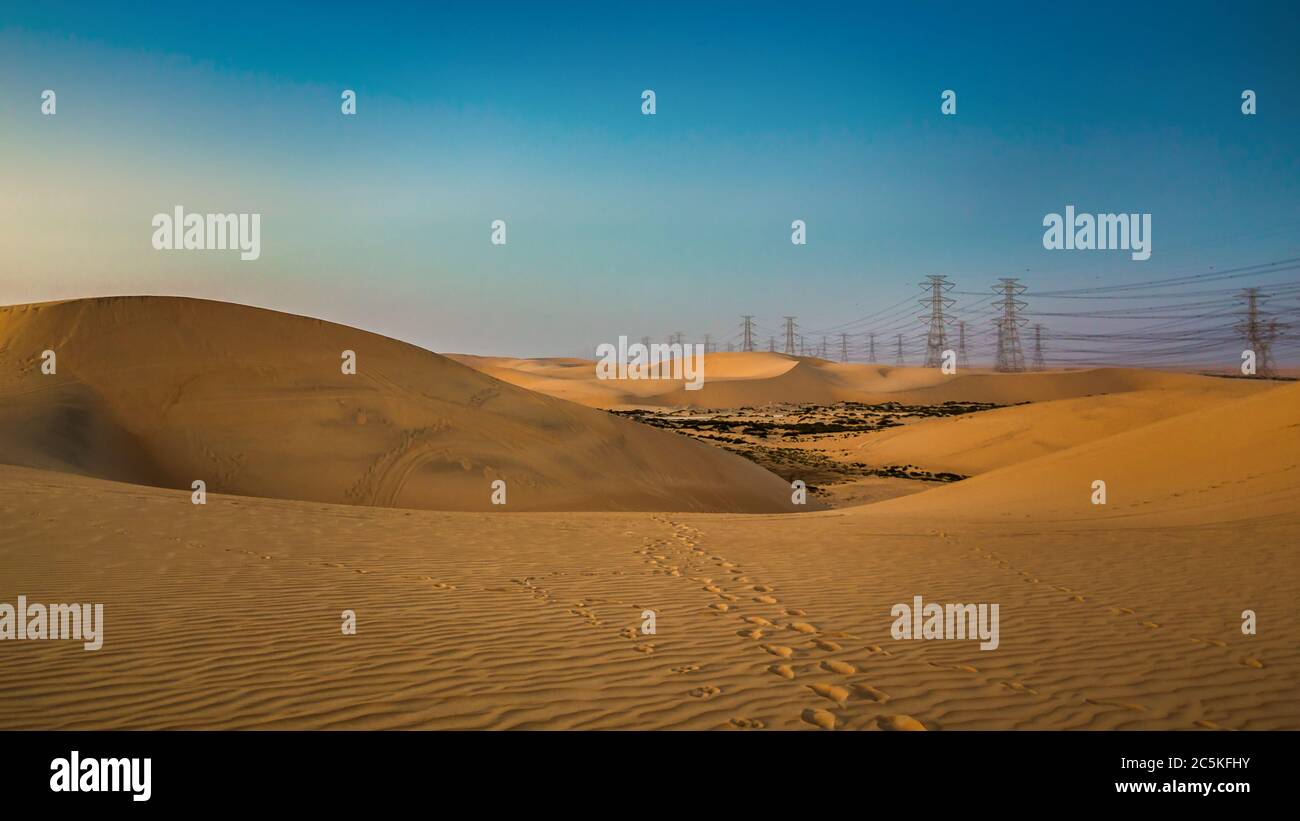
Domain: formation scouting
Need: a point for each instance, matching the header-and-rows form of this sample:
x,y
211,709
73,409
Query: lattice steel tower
x,y
1259,331
1010,357
789,335
936,339
748,343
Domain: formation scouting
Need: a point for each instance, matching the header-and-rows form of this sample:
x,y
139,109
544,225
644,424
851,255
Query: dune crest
x,y
1234,460
165,390
750,379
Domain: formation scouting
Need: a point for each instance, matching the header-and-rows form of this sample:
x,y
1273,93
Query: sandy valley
x,y
371,493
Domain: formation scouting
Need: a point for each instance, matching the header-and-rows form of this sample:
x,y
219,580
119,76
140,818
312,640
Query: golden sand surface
x,y
227,615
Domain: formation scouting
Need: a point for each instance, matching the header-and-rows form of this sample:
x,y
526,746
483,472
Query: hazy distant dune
x,y
760,378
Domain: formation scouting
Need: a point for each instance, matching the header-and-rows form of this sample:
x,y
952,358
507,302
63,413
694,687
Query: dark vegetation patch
x,y
762,435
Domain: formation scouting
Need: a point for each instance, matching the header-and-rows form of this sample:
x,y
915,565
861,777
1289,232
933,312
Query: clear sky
x,y
621,223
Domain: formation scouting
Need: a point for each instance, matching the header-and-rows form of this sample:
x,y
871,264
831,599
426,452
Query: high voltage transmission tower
x,y
871,353
844,347
900,349
708,343
771,344
789,335
748,332
822,352
1039,364
1010,358
962,361
1259,331
936,340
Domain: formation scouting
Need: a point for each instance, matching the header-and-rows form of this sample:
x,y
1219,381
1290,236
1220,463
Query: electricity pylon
x,y
1259,335
1010,358
789,335
936,338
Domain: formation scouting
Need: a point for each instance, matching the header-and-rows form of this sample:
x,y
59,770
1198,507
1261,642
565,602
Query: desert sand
x,y
226,615
755,379
164,391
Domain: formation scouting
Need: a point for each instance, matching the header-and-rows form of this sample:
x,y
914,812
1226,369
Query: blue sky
x,y
621,223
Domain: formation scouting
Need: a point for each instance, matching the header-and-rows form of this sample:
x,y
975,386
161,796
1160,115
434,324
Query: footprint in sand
x,y
782,670
801,627
900,722
837,666
866,692
964,668
828,646
746,723
778,650
1210,642
765,599
644,648
687,668
1251,661
750,634
1151,625
819,718
761,588
794,611
1018,687
706,692
1123,705
759,620
834,692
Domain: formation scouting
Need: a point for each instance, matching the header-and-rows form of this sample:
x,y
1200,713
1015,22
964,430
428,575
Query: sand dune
x,y
227,615
756,379
1236,459
980,442
163,391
